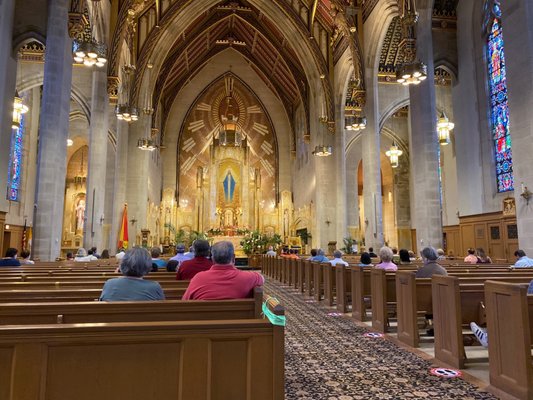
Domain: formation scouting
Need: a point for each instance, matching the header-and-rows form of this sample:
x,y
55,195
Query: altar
x,y
236,240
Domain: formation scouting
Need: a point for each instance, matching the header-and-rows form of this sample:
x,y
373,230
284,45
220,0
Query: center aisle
x,y
328,358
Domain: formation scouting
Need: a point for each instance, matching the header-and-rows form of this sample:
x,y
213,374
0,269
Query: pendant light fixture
x,y
444,126
323,150
19,108
89,51
124,111
394,154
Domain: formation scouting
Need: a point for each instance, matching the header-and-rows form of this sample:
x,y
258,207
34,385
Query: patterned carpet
x,y
328,358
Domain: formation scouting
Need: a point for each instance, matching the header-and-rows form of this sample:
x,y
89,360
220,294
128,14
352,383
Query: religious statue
x,y
80,215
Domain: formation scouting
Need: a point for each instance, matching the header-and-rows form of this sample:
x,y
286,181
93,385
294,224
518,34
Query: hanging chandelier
x,y
394,154
87,51
411,71
146,144
230,132
322,151
124,110
19,108
355,123
444,126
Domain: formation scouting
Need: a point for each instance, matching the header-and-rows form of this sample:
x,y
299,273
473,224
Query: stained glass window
x,y
15,163
499,109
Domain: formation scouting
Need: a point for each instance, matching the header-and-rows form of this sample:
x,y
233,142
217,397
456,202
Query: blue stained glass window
x,y
15,163
499,108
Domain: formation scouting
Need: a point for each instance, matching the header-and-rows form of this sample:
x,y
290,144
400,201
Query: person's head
x,y
155,252
481,253
180,248
365,258
394,250
270,248
137,262
191,249
223,252
471,251
320,252
519,253
93,249
11,253
90,252
313,252
70,256
440,252
201,248
337,254
404,255
105,254
411,254
429,254
370,249
81,252
121,250
385,253
25,254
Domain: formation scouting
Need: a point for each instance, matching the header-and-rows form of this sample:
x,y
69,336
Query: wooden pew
x,y
509,319
456,303
308,273
360,289
70,295
343,286
131,311
318,279
383,292
215,359
329,283
301,275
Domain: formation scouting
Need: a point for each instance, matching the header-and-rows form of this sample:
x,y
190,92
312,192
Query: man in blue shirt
x,y
522,261
10,260
320,257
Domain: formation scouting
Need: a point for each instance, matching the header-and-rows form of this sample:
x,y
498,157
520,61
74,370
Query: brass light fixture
x,y
90,51
148,144
19,108
444,126
124,111
323,150
230,132
394,153
355,123
411,71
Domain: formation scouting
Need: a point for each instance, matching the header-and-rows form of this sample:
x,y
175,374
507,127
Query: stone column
x,y
137,178
373,222
53,133
119,196
518,40
340,175
7,91
96,177
423,142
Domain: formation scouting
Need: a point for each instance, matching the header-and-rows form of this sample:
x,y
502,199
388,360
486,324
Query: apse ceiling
x,y
203,124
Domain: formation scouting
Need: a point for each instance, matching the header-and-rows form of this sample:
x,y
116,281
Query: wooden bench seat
x,y
215,359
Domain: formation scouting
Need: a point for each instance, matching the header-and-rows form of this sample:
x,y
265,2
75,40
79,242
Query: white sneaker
x,y
480,334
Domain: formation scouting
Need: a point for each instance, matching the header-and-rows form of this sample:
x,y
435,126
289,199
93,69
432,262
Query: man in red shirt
x,y
188,269
223,280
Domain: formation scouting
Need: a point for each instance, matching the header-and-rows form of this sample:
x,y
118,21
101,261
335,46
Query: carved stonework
x,y
331,127
112,89
76,25
32,52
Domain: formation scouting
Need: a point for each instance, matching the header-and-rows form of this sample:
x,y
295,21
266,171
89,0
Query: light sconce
x,y
444,126
133,220
70,142
526,193
394,154
19,108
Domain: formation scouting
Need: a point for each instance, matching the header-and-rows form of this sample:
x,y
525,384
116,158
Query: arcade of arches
x,y
233,98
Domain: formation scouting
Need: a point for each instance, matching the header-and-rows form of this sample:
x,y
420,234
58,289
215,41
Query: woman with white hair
x,y
386,254
136,263
81,256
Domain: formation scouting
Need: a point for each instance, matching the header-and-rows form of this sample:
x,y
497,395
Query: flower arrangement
x,y
256,242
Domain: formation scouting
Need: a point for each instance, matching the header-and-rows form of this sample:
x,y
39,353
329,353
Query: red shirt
x,y
223,282
189,268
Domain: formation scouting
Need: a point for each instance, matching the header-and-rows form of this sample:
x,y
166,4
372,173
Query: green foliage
x,y
255,242
182,236
348,243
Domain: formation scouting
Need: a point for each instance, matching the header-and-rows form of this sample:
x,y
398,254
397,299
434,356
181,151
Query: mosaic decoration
x,y
498,103
15,163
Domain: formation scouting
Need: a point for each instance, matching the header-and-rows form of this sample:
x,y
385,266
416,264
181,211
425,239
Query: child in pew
x,y
136,263
481,333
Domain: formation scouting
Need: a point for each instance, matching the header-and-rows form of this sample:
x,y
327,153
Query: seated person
x,y
412,256
365,260
371,252
522,261
180,253
105,254
482,258
223,280
188,269
155,258
271,252
131,286
404,257
441,255
25,257
10,260
430,267
314,252
120,255
471,258
93,252
293,253
385,253
320,256
395,256
82,256
481,333
70,256
337,258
